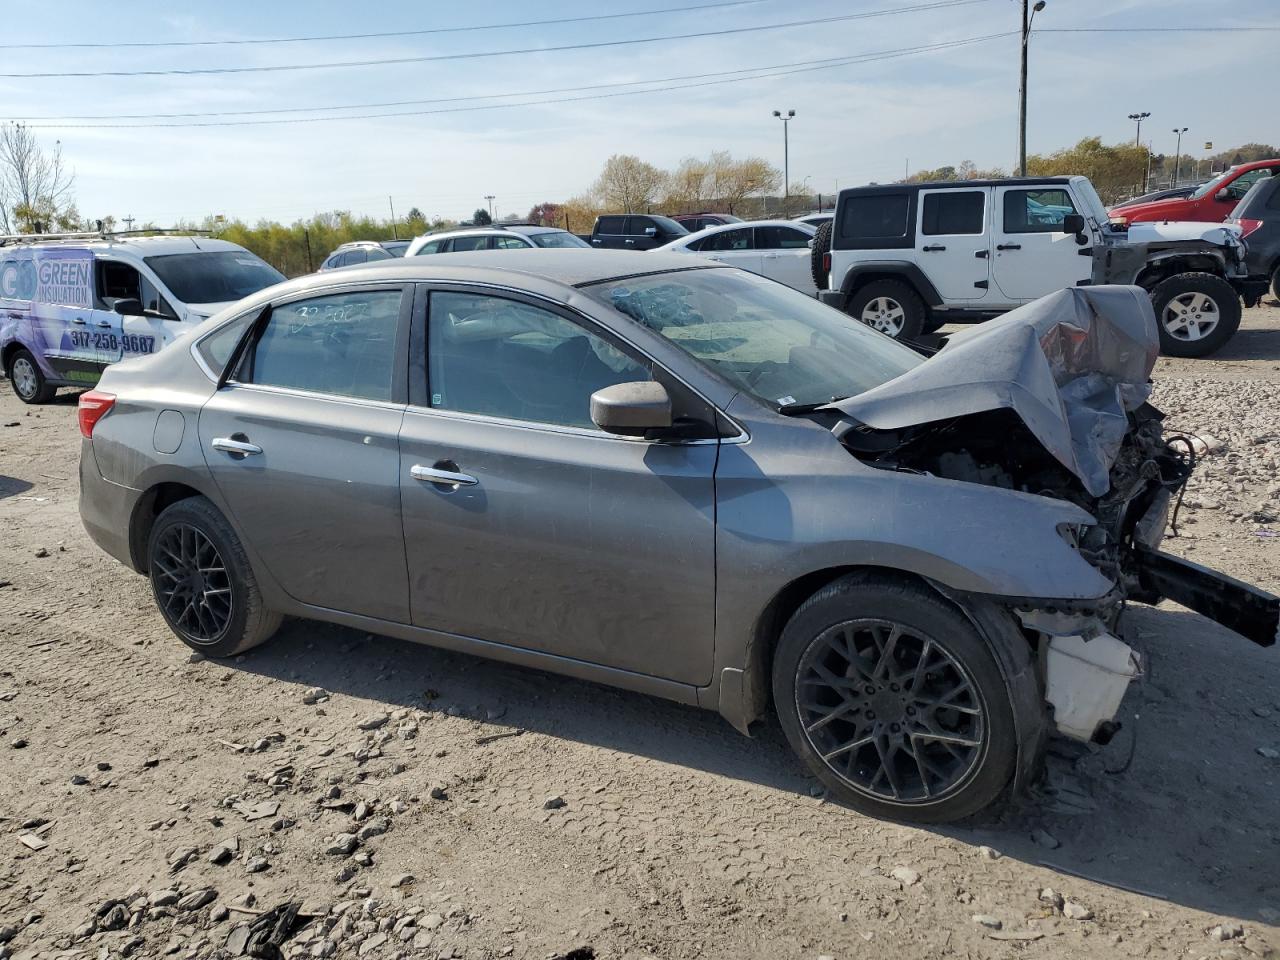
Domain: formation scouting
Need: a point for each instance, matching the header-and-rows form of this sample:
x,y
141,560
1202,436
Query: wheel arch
x,y
860,274
1161,267
150,505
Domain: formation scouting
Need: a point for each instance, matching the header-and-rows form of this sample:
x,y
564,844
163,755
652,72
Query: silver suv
x,y
678,478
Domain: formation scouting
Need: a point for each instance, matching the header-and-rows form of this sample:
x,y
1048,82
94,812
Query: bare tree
x,y
627,183
35,185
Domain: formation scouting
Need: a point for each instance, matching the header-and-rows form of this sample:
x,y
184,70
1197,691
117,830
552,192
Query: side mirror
x,y
129,307
631,409
650,231
1073,223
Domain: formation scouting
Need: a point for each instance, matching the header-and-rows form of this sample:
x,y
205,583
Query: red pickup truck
x,y
1212,202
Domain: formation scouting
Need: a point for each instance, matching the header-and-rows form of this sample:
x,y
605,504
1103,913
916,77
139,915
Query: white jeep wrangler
x,y
909,258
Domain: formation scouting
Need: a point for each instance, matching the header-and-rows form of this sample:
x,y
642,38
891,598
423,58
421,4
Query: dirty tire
x,y
821,245
191,539
853,609
27,380
1207,298
1275,283
891,306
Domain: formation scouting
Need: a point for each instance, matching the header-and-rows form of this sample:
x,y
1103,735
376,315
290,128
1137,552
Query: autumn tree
x,y
628,183
1114,170
35,185
546,214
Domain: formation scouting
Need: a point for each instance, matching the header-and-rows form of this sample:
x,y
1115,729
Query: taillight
x,y
94,405
826,262
1247,226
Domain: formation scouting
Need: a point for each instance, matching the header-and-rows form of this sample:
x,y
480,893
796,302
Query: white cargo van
x,y
72,304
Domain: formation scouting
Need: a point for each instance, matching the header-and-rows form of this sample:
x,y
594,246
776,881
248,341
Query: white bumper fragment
x,y
1085,681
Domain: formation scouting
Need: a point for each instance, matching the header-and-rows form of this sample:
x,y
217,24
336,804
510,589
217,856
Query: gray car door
x,y
302,444
527,525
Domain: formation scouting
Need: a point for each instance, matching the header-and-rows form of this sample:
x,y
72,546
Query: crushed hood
x,y
1071,365
1164,231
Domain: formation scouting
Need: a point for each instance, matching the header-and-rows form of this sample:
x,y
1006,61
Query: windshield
x,y
554,239
396,247
1213,185
771,341
214,276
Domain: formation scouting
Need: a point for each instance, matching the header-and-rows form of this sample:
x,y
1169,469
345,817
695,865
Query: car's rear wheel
x,y
28,381
1275,283
895,701
1196,314
203,583
890,306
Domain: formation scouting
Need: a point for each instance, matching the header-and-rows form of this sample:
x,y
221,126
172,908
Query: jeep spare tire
x,y
891,306
818,251
1196,313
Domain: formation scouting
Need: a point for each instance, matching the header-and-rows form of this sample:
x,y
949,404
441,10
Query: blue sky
x,y
854,123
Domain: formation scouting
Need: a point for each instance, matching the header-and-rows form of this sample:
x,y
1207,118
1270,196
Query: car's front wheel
x,y
203,583
28,382
895,701
1196,312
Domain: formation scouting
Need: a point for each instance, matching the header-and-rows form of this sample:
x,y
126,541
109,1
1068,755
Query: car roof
x,y
138,246
725,227
932,184
553,273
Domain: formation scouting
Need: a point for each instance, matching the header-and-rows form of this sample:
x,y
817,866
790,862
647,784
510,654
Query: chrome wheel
x,y
890,711
26,380
191,583
1190,316
884,314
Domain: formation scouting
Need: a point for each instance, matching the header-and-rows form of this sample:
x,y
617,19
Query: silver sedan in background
x,y
676,477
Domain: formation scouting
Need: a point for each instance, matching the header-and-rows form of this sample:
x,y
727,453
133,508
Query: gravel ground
x,y
420,803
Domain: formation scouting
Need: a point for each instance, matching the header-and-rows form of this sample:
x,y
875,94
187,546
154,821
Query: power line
x,y
836,61
823,65
370,36
277,68
1257,29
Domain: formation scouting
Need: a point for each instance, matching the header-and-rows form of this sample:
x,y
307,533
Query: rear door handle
x,y
982,254
229,445
103,323
437,475
933,248
79,320
1008,246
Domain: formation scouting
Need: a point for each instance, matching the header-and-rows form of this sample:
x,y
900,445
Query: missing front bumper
x,y
1238,606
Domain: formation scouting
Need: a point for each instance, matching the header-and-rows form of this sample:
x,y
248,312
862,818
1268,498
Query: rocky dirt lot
x,y
418,803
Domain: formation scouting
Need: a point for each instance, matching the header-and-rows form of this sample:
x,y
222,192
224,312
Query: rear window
x,y
951,213
879,216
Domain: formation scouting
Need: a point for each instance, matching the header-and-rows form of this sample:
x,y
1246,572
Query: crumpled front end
x,y
1051,400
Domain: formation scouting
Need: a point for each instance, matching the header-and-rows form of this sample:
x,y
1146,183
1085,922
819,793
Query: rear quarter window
x,y
876,221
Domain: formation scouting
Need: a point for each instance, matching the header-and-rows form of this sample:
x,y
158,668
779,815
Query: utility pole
x,y
786,156
395,234
128,222
1177,159
489,197
1027,17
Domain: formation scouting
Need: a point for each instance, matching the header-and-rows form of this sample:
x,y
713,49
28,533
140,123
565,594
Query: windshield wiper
x,y
787,409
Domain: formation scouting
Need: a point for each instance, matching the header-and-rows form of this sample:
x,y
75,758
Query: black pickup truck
x,y
634,231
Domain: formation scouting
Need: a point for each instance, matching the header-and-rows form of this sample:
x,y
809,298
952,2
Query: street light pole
x,y
786,155
489,197
1027,17
1138,118
1177,159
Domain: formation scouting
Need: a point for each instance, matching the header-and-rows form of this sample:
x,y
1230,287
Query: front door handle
x,y
933,248
232,445
104,324
1008,246
442,477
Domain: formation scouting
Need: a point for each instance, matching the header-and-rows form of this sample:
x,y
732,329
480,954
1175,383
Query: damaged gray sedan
x,y
688,481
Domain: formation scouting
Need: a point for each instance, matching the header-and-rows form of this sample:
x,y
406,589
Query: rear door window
x,y
610,225
780,238
952,213
342,344
353,256
739,239
469,243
